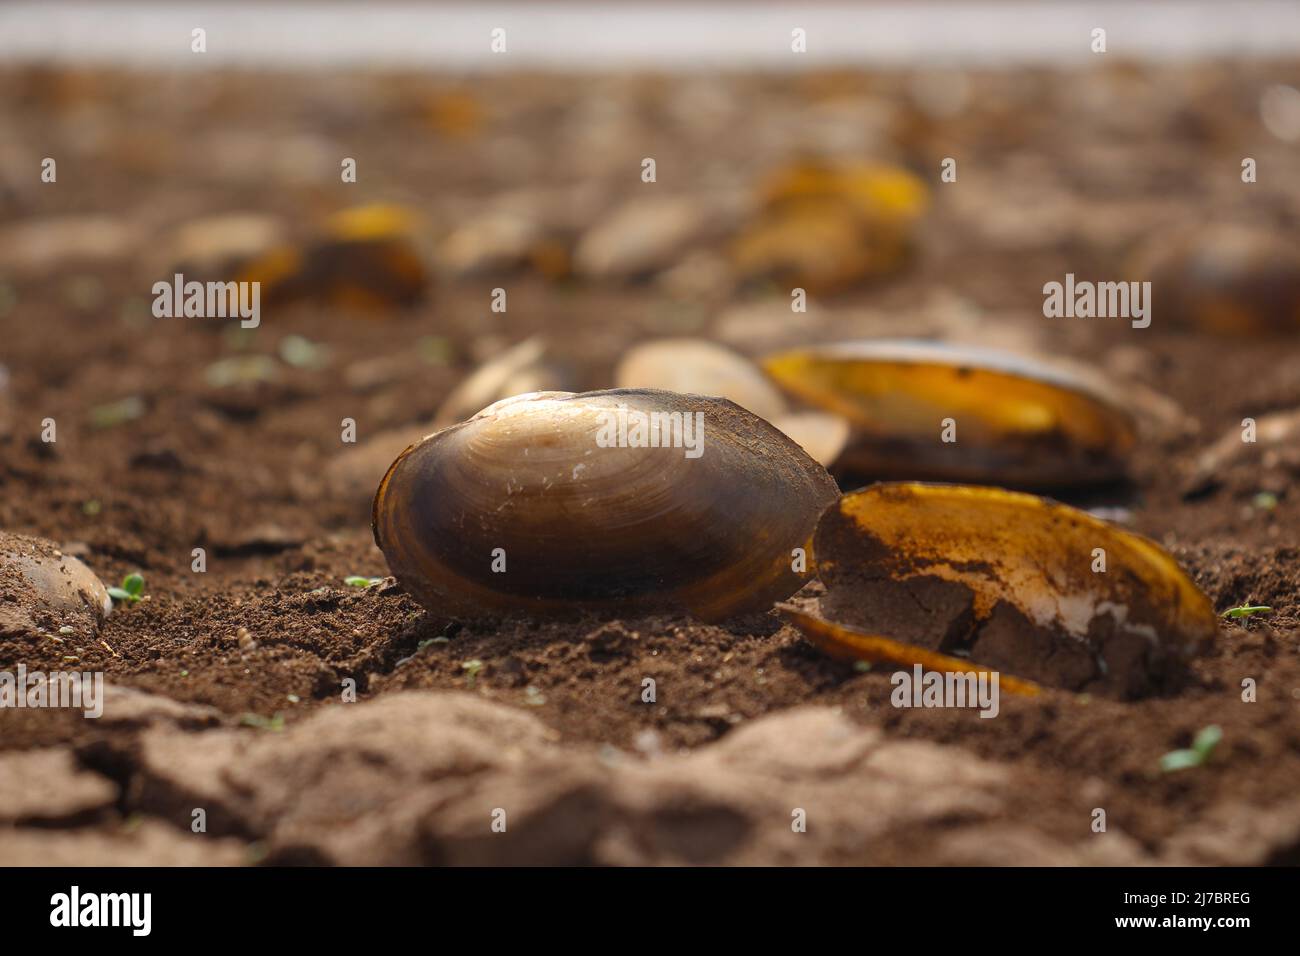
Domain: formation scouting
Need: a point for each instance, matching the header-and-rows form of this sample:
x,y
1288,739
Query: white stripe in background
x,y
575,36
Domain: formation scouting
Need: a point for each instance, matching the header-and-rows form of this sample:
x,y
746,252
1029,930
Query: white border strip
x,y
580,37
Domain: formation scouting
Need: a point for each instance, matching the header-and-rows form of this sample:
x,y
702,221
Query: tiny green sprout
x,y
357,581
471,669
862,666
302,352
1265,501
256,852
275,723
91,508
1246,610
1207,738
434,349
120,412
131,591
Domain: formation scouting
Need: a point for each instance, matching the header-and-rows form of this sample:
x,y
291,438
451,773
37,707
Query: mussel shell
x,y
848,643
700,367
822,435
589,527
826,227
40,587
873,192
1229,279
529,366
366,258
1007,579
1018,421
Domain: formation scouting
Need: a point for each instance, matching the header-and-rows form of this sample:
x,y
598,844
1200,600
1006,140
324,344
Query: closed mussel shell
x,y
927,410
545,503
1013,582
1227,279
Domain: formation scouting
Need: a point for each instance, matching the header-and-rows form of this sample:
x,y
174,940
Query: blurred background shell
x,y
1226,279
1015,420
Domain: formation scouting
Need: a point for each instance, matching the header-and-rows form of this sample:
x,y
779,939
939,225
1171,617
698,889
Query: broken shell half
x,y
545,504
847,643
927,410
1014,582
43,588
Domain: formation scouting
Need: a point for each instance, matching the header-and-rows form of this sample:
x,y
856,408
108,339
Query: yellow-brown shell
x,y
365,258
1015,421
1012,581
826,227
530,481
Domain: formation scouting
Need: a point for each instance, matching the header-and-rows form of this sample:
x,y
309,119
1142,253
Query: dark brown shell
x,y
635,529
1229,279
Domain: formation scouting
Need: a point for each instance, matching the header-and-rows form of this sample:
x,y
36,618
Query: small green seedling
x,y
1202,747
112,414
357,581
131,591
275,723
1246,610
471,669
1265,501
